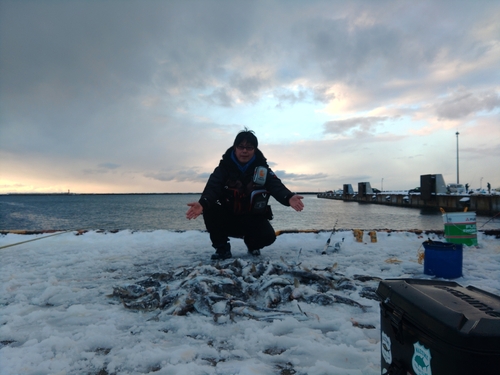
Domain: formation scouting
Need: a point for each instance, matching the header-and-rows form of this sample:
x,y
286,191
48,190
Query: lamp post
x,y
382,185
457,160
481,183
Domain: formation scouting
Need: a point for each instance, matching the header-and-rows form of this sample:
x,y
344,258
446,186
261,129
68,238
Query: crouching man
x,y
234,202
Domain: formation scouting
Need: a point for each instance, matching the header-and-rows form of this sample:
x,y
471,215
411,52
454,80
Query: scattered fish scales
x,y
257,290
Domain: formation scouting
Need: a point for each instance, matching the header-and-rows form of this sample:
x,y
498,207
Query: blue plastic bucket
x,y
442,259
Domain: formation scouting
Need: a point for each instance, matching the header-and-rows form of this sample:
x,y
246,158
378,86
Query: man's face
x,y
244,152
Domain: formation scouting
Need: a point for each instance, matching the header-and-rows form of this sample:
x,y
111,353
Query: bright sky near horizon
x,y
145,96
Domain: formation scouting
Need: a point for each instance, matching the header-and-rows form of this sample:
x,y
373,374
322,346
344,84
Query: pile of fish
x,y
258,290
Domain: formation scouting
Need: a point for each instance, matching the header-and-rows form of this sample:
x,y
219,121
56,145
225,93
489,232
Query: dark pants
x,y
255,230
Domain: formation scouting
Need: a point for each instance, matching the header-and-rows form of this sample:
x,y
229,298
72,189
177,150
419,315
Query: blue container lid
x,y
438,245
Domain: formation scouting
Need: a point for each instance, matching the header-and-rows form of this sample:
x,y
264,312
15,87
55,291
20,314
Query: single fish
x,y
348,301
129,291
183,305
203,305
365,278
321,299
286,293
344,284
149,283
369,293
148,302
258,270
361,325
167,300
258,313
273,298
309,277
162,276
277,280
296,291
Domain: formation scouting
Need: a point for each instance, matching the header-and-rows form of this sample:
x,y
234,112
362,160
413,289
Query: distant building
x,y
430,185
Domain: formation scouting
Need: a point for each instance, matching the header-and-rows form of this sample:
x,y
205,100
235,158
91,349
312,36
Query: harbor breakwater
x,y
479,203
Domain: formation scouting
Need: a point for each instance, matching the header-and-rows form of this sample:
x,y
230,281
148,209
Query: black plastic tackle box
x,y
432,327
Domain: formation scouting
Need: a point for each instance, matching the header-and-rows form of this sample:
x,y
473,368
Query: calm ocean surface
x,y
150,212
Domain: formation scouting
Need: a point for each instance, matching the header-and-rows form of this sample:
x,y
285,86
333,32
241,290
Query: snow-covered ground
x,y
57,316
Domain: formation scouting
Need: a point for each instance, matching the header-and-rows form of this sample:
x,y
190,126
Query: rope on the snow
x,y
36,239
280,232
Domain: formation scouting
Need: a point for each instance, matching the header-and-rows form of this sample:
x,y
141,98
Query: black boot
x,y
222,252
255,252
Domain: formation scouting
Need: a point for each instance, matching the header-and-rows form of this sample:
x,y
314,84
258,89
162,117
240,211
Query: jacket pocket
x,y
258,201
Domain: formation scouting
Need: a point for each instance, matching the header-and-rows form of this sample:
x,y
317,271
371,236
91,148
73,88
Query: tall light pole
x,y
382,185
457,161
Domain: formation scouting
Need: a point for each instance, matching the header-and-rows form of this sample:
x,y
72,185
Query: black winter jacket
x,y
231,188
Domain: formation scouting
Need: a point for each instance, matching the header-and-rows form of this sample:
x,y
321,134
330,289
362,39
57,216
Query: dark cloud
x,y
246,89
66,48
179,176
195,176
249,86
102,168
65,60
96,171
290,177
343,52
358,124
286,96
220,96
249,89
462,103
321,95
109,165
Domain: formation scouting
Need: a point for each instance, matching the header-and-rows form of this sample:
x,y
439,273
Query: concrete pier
x,y
481,204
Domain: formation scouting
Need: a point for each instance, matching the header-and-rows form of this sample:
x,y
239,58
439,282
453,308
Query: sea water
x,y
167,211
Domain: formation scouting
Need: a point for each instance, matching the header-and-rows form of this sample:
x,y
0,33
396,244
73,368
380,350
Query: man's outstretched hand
x,y
195,210
296,202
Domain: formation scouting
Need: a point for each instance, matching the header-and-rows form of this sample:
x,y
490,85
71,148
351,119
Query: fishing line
x,y
36,239
490,219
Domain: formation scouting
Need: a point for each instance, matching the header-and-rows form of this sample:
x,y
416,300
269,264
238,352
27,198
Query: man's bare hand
x,y
195,210
296,202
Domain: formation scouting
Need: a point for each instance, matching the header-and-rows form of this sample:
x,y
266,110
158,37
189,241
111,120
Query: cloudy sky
x,y
145,96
